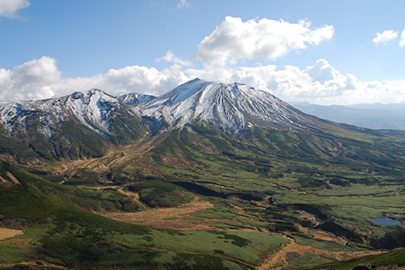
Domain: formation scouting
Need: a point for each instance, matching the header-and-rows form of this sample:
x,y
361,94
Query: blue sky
x,y
325,52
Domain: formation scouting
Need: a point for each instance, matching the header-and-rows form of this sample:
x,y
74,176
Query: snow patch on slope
x,y
93,108
134,99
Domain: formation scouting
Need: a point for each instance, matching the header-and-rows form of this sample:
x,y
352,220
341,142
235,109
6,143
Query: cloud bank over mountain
x,y
233,41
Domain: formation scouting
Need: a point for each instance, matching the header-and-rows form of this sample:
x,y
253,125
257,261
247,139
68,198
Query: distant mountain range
x,y
373,116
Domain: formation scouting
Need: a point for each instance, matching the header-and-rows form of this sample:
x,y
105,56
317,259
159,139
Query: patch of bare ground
x,y
167,218
32,265
12,178
8,233
134,197
102,187
363,232
325,236
224,187
318,234
289,189
280,258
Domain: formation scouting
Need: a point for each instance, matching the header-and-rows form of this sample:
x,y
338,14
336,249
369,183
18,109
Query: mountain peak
x,y
227,106
93,108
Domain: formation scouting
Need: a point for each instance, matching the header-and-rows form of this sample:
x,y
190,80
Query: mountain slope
x,y
264,168
230,107
78,125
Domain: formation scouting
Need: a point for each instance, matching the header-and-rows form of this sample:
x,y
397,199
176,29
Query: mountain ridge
x,y
86,124
227,106
81,124
372,116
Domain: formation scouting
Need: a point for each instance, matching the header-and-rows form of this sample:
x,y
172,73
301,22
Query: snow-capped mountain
x,y
82,124
79,124
227,106
134,99
93,108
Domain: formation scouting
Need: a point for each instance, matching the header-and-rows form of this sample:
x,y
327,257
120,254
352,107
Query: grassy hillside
x,y
301,195
61,233
33,140
393,258
86,197
342,179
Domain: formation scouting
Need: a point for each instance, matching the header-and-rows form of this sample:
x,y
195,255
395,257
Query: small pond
x,y
386,221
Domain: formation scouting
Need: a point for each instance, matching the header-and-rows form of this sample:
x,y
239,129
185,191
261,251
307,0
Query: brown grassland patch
x,y
9,233
168,218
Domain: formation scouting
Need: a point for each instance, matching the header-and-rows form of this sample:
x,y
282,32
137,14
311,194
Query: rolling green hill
x,y
58,233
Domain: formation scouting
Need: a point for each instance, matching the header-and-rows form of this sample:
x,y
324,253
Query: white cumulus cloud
x,y
8,8
402,41
40,78
130,79
140,79
231,41
385,36
30,80
234,39
321,83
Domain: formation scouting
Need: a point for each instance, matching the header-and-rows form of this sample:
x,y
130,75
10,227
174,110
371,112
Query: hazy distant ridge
x,y
374,116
